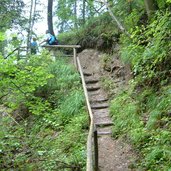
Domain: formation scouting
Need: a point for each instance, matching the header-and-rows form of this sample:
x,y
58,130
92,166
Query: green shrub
x,y
53,135
148,50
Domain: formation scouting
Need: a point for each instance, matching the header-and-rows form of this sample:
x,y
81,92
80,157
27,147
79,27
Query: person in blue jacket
x,y
34,46
50,39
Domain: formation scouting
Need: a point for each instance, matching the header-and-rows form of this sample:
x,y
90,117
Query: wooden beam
x,y
61,46
75,57
96,151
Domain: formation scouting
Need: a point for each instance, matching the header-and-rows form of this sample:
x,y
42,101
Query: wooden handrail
x,y
65,46
89,166
61,46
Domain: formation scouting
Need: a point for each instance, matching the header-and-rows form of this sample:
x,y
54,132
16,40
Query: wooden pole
x,y
96,153
75,57
120,26
61,46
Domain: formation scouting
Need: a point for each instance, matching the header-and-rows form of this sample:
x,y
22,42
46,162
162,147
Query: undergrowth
x,y
143,113
44,123
148,50
145,119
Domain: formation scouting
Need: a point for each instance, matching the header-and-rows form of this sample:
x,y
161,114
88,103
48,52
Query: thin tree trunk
x,y
84,7
33,18
50,17
96,10
150,7
29,27
91,4
75,14
115,19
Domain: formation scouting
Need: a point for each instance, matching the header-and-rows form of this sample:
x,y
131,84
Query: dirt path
x,y
114,155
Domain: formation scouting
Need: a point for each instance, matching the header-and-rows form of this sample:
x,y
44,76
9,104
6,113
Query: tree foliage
x,y
10,13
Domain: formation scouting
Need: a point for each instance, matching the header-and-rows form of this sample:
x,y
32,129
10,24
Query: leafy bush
x,y
149,50
53,135
20,81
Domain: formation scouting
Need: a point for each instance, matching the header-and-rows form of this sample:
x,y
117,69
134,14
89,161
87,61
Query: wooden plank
x,y
87,73
93,88
104,124
96,151
104,133
75,60
91,81
61,46
100,106
99,100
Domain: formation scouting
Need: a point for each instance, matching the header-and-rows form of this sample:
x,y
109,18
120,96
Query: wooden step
x,y
104,124
99,106
91,78
93,88
87,73
104,133
91,81
100,100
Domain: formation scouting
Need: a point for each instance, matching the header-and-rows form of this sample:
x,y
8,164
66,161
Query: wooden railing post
x,y
96,153
75,59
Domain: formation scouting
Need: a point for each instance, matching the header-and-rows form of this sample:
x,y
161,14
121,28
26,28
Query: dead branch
x,y
120,26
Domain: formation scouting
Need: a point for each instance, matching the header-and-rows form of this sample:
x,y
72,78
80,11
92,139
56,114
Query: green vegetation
x,y
142,114
43,126
144,118
98,32
43,122
149,50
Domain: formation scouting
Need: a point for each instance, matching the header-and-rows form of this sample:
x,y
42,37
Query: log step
x,y
87,73
91,81
99,100
104,124
104,133
99,106
93,88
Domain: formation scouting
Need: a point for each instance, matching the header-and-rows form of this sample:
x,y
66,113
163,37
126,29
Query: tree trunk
x,y
50,17
91,6
29,27
75,14
33,18
83,11
121,28
150,6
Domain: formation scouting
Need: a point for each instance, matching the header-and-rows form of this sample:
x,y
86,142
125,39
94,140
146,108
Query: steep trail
x,y
114,155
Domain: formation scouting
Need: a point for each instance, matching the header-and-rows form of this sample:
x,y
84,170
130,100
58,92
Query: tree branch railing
x,y
90,135
92,153
18,50
92,162
114,18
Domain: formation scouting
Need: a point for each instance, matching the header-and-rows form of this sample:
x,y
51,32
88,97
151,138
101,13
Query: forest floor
x,y
114,154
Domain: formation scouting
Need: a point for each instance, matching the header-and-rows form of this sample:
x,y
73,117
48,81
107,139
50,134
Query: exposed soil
x,y
114,155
